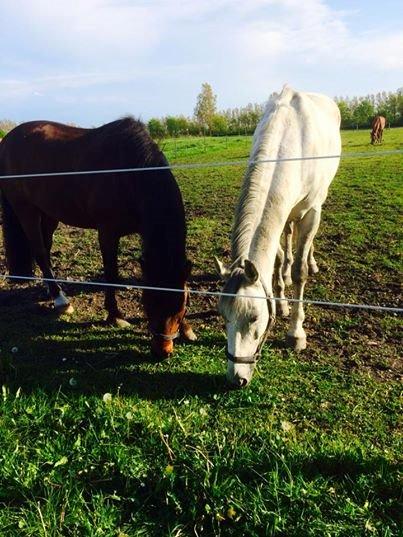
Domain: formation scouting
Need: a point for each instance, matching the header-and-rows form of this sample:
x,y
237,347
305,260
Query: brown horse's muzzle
x,y
162,348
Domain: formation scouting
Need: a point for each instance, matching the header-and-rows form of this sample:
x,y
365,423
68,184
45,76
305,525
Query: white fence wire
x,y
389,309
200,165
196,165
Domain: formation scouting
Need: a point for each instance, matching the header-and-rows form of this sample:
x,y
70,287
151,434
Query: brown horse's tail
x,y
18,252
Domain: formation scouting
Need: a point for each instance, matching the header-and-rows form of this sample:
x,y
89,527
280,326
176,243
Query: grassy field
x,y
97,439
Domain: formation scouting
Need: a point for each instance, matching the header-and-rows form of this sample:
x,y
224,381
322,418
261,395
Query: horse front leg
x,y
312,265
279,285
109,244
186,331
288,258
307,228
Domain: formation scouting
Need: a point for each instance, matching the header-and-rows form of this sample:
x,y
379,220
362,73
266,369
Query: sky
x,y
91,61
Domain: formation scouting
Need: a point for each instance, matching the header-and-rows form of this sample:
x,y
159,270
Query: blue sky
x,y
91,61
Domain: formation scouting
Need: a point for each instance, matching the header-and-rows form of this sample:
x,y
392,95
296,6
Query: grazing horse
x,y
378,125
115,204
276,197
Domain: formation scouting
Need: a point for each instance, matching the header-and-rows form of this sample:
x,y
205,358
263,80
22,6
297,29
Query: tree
x,y
345,113
400,106
6,125
363,113
206,106
219,125
157,128
175,125
391,108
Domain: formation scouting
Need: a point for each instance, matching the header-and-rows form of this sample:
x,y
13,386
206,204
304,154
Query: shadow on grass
x,y
116,376
99,358
53,350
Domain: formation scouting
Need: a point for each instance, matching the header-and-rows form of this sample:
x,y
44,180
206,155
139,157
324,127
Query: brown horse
x,y
115,204
378,125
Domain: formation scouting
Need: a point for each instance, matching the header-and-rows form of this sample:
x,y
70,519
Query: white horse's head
x,y
246,318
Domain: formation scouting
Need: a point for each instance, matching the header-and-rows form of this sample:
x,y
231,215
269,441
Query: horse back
x,y
378,123
87,200
298,125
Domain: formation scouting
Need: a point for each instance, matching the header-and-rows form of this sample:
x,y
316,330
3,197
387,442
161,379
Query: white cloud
x,y
85,30
381,52
157,53
12,88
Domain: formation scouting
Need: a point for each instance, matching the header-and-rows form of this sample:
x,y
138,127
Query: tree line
x,y
207,120
356,112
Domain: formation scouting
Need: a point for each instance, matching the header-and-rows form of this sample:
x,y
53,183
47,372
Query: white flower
x,y
107,397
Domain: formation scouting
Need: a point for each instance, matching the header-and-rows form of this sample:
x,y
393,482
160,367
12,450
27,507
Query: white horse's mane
x,y
266,144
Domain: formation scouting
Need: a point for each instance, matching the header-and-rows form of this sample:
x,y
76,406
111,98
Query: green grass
x,y
98,439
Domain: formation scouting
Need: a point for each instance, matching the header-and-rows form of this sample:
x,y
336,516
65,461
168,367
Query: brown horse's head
x,y
165,311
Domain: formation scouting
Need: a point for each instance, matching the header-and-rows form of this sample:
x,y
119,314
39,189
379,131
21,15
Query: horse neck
x,y
265,243
164,241
262,208
163,266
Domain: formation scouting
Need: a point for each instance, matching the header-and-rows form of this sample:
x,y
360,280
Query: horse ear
x,y
251,272
222,270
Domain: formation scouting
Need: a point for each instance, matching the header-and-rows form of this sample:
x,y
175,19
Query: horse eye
x,y
254,319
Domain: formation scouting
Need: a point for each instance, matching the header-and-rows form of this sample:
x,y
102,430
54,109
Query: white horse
x,y
276,197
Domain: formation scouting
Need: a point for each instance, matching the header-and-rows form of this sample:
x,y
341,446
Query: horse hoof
x,y
119,323
296,343
313,268
284,311
189,335
65,309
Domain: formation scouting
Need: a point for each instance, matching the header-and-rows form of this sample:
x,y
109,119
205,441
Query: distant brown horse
x,y
378,125
115,204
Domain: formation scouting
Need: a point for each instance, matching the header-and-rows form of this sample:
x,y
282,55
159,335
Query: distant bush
x,y
6,125
157,128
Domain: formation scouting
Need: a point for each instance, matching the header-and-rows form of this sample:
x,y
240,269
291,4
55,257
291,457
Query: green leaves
x,y
61,462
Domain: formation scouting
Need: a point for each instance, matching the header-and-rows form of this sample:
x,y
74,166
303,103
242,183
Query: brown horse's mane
x,y
132,134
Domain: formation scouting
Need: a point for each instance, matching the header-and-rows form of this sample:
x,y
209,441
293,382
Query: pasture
x,y
96,438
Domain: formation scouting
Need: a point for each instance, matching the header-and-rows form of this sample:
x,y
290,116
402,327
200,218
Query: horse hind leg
x,y
31,221
109,244
61,303
307,228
